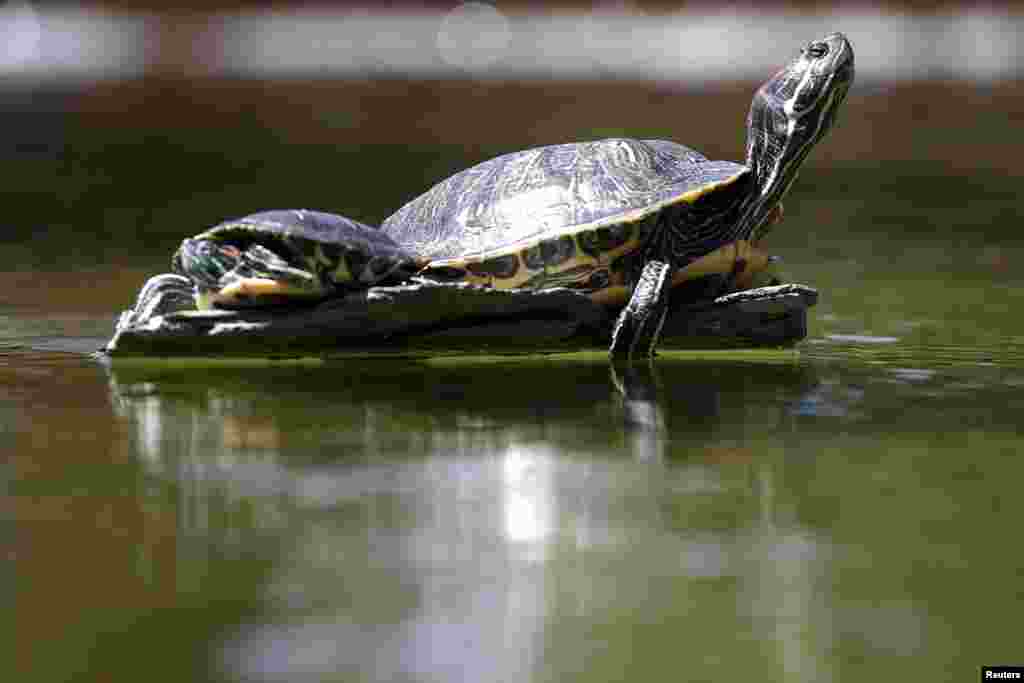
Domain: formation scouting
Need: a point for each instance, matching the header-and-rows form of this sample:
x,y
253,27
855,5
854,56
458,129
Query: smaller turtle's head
x,y
205,262
790,113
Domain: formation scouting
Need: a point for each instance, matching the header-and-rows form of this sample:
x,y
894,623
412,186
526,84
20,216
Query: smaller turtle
x,y
289,256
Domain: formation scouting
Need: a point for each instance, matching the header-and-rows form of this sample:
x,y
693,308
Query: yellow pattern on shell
x,y
579,268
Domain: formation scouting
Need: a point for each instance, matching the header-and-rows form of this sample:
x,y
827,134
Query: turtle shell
x,y
314,251
574,215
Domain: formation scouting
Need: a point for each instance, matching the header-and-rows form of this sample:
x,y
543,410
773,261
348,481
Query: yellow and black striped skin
x,y
579,215
326,251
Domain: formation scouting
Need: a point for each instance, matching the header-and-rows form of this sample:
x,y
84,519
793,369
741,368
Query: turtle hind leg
x,y
730,282
642,318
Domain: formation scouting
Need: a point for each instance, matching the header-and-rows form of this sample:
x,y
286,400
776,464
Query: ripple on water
x,y
55,332
860,339
912,374
913,361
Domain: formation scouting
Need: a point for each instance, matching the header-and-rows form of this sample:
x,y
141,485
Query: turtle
x,y
621,220
627,219
284,257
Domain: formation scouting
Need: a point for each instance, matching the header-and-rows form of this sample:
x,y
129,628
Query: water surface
x,y
847,509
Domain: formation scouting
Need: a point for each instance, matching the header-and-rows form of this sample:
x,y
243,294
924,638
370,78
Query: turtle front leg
x,y
645,313
162,294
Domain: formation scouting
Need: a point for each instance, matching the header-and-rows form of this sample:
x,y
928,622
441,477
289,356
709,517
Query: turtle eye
x,y
817,50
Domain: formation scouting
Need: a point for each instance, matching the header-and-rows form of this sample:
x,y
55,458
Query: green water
x,y
848,510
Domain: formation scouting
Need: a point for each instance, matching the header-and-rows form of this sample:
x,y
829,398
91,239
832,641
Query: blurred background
x,y
127,126
819,533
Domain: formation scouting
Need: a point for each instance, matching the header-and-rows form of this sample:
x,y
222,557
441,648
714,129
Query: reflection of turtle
x,y
605,218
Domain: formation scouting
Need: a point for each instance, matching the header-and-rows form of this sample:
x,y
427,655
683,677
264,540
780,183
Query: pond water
x,y
848,509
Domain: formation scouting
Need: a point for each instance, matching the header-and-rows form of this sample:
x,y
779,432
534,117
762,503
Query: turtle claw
x,y
644,315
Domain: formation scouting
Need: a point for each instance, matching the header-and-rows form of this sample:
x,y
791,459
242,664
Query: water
x,y
845,510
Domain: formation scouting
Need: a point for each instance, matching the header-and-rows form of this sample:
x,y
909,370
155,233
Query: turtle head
x,y
790,113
